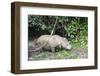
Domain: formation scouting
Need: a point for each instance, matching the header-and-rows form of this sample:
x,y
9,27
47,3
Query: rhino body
x,y
51,42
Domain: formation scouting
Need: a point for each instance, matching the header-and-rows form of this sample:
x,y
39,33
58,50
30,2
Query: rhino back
x,y
49,41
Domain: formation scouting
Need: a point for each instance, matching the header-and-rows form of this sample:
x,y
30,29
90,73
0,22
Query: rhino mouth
x,y
68,47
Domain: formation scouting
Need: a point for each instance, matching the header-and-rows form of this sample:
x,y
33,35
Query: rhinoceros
x,y
50,42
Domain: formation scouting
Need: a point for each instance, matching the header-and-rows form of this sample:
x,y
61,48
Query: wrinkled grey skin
x,y
52,41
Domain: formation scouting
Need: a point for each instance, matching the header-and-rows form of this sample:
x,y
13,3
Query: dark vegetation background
x,y
75,29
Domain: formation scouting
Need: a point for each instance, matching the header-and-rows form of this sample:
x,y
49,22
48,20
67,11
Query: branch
x,y
54,26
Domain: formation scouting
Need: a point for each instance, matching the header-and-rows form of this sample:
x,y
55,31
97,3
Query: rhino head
x,y
66,44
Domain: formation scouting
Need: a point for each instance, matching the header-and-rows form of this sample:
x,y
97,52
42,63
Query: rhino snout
x,y
69,47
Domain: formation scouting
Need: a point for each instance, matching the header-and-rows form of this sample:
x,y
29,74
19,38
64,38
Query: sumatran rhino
x,y
50,42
